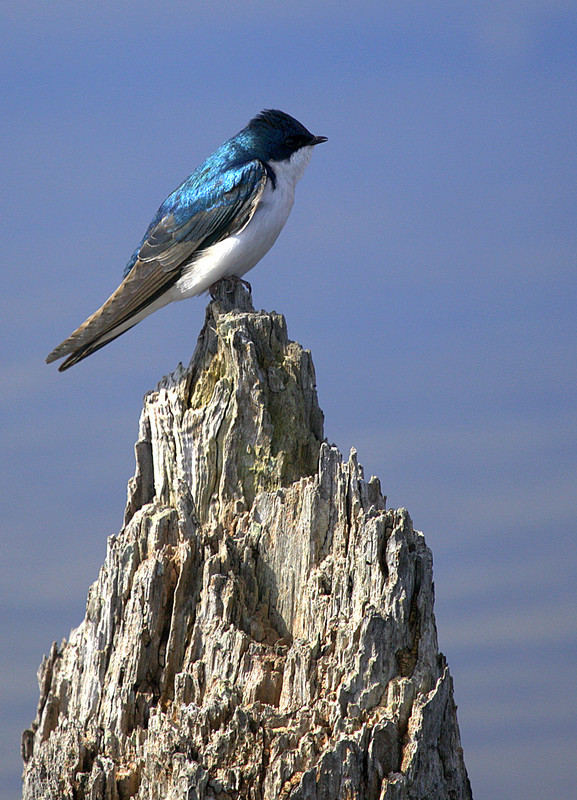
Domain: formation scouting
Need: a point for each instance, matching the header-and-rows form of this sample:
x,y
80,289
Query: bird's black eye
x,y
295,140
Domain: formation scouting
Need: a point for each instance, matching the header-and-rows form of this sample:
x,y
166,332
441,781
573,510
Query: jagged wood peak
x,y
263,626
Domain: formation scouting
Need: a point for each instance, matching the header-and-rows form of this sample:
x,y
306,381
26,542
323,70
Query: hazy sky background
x,y
429,265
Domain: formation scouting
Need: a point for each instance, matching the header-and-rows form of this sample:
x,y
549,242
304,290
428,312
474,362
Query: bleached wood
x,y
262,626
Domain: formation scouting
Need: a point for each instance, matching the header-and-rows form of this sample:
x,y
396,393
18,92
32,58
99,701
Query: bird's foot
x,y
228,285
232,292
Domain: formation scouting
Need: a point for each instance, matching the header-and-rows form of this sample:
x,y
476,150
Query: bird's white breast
x,y
236,254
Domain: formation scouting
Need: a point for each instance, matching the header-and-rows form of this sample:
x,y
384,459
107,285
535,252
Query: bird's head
x,y
276,136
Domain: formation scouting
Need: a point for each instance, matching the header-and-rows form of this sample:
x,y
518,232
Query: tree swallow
x,y
219,223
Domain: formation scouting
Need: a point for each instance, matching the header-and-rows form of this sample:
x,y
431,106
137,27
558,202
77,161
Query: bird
x,y
217,224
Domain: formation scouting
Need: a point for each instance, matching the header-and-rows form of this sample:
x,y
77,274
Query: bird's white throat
x,y
291,169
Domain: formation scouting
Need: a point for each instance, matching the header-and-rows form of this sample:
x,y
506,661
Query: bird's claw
x,y
228,284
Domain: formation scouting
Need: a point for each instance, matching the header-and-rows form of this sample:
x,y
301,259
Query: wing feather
x,y
196,219
186,224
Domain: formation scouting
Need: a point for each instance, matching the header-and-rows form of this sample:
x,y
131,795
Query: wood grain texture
x,y
263,626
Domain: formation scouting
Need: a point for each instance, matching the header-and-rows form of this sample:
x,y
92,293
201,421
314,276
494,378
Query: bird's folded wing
x,y
194,219
204,212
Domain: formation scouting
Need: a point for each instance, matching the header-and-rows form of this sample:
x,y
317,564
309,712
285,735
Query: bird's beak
x,y
319,140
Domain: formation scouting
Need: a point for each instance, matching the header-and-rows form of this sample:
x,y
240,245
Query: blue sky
x,y
429,265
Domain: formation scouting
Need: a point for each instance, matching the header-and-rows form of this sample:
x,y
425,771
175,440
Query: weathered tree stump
x,y
263,626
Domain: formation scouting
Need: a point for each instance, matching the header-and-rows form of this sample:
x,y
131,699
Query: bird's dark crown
x,y
277,134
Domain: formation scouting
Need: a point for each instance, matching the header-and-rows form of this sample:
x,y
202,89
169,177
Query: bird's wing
x,y
191,219
202,213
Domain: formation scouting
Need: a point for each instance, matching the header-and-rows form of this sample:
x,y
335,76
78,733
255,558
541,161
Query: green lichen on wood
x,y
272,407
203,390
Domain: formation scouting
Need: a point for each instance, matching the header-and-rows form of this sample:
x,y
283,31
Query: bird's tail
x,y
140,293
77,353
